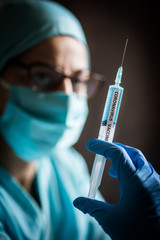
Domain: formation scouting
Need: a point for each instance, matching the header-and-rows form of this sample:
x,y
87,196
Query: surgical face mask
x,y
34,123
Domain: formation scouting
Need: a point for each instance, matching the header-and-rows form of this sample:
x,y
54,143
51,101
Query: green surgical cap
x,y
23,24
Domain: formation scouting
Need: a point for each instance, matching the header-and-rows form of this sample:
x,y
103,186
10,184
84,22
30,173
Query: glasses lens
x,y
80,81
94,85
42,78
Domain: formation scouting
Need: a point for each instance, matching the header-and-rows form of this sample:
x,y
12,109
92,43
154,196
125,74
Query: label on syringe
x,y
108,126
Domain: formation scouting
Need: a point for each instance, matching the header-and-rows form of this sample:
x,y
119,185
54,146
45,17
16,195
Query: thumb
x,y
93,207
103,212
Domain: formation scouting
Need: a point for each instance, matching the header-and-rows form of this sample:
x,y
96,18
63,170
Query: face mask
x,y
35,123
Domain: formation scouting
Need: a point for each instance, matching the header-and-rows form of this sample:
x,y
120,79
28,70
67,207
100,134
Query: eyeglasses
x,y
45,77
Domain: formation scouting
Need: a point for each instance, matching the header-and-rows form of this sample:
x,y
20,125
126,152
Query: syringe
x,y
107,127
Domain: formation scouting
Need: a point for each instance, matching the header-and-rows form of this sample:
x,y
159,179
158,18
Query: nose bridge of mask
x,y
46,107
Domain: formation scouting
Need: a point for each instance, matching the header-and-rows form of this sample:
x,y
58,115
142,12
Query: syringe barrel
x,y
110,113
97,173
106,133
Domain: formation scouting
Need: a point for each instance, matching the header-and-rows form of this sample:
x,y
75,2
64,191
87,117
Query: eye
x,y
77,80
41,79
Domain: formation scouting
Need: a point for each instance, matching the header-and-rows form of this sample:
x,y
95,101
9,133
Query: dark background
x,y
106,25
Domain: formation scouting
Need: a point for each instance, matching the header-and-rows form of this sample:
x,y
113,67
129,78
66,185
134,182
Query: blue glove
x,y
137,214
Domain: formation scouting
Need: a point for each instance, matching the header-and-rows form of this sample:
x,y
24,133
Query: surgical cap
x,y
23,24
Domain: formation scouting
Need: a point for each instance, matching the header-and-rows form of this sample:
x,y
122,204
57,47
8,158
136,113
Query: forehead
x,y
62,51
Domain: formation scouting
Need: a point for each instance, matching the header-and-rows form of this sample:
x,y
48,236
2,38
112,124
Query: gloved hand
x,y
137,214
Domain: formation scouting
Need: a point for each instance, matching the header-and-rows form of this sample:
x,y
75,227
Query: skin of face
x,y
64,52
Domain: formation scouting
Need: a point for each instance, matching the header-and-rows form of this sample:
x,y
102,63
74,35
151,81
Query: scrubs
x,y
59,180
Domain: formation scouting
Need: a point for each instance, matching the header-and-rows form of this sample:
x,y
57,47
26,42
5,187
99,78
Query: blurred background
x,y
106,25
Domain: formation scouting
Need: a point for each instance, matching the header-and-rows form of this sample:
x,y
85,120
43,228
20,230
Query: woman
x,y
44,83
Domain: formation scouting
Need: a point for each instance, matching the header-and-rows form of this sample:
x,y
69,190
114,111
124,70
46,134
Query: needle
x,y
124,52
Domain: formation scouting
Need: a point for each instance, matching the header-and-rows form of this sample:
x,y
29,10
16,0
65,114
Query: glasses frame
x,y
100,79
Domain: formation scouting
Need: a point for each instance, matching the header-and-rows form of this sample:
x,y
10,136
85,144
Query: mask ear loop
x,y
4,84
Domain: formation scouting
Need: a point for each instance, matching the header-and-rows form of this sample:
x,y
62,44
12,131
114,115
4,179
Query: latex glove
x,y
137,214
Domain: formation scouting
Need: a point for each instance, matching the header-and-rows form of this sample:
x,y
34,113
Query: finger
x,y
138,159
121,161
